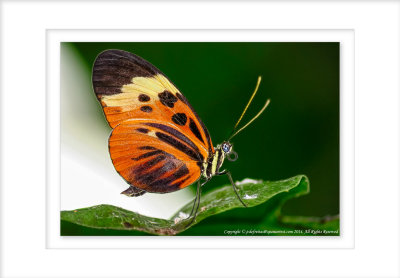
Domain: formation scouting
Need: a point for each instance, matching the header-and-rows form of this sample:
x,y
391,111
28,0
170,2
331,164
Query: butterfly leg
x,y
225,172
197,199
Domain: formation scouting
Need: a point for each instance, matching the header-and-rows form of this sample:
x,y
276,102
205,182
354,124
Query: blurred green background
x,y
297,134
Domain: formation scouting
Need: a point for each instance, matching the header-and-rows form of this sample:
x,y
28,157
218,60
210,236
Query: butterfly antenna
x,y
234,132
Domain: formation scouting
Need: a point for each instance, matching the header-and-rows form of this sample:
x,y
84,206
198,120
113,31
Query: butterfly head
x,y
226,148
222,151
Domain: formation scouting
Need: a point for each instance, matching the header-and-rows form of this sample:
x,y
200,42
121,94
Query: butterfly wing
x,y
129,87
158,143
154,156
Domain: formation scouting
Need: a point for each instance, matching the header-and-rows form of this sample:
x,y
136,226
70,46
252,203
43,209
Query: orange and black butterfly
x,y
158,143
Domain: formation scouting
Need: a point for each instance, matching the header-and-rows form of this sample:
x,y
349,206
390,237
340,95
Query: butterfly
x,y
158,143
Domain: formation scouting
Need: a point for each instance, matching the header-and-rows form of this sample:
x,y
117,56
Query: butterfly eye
x,y
226,147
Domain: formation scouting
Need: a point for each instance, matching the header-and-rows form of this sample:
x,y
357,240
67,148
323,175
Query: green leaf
x,y
269,195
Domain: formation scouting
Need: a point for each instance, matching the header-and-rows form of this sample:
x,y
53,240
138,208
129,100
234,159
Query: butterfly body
x,y
213,164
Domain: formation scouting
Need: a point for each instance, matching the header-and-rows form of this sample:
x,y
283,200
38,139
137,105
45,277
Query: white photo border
x,y
24,252
346,40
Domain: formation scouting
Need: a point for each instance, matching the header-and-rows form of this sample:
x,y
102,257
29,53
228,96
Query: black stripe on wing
x,y
152,172
178,145
175,139
114,68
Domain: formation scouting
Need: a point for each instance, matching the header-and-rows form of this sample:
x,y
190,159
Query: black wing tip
x,y
123,54
114,54
114,68
111,53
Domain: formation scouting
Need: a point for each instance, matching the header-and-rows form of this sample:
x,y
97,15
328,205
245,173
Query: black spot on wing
x,y
167,98
185,101
146,109
179,118
193,127
142,130
144,98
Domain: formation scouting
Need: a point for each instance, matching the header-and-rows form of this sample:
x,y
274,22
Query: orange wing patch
x,y
154,156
